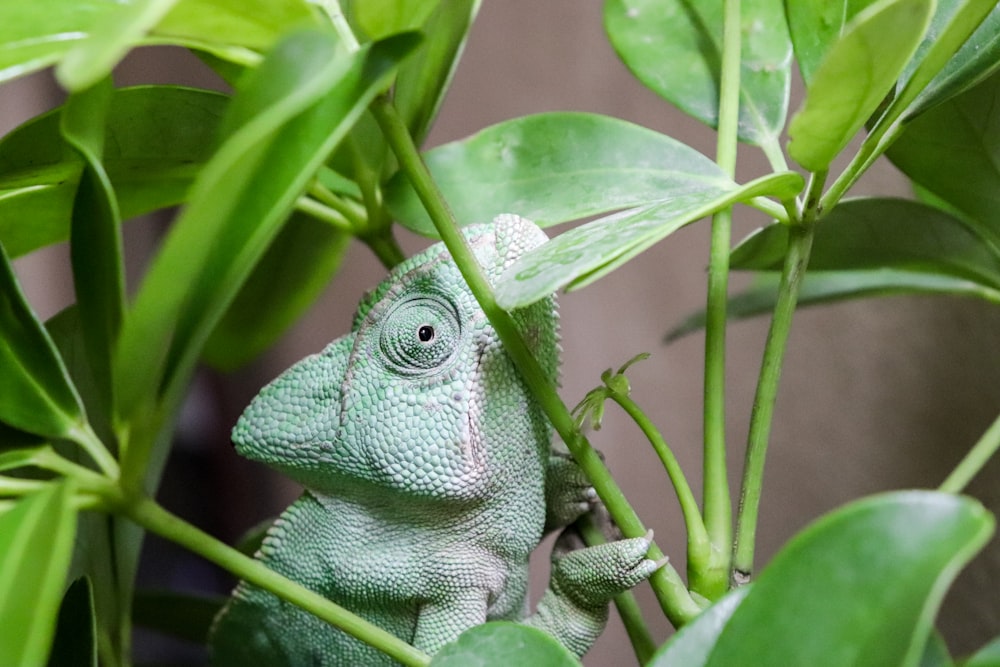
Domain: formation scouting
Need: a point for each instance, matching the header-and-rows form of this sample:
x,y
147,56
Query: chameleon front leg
x,y
568,493
441,622
574,609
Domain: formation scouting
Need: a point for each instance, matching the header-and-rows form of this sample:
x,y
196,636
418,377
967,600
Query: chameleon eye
x,y
419,334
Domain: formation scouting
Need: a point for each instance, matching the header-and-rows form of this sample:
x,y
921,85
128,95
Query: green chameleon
x,y
428,476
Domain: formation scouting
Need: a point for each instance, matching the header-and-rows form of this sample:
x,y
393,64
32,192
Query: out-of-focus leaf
x,y
156,138
882,233
815,25
556,167
501,644
36,542
36,394
291,275
821,287
95,246
859,587
854,77
936,653
378,19
582,255
75,643
675,48
988,656
294,110
425,76
694,642
182,615
951,151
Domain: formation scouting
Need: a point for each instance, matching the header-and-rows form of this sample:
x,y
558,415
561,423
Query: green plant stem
x,y
151,516
974,460
91,443
699,545
324,213
796,260
672,594
706,576
626,604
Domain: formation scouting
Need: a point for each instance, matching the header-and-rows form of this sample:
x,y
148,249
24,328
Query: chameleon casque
x,y
428,474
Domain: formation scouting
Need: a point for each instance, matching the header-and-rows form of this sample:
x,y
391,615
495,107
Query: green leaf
x,y
555,167
293,111
951,151
860,586
378,19
182,615
582,255
674,47
425,76
93,57
821,287
294,271
693,643
856,74
95,245
882,233
974,57
156,138
501,644
988,656
36,394
936,653
815,25
36,542
75,643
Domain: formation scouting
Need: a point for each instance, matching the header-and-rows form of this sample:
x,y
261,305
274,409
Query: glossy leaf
x,y
182,615
582,255
36,394
156,138
36,542
860,586
882,234
425,76
294,109
501,644
294,271
976,57
815,25
951,150
693,643
821,287
75,643
96,246
555,167
857,72
675,48
108,40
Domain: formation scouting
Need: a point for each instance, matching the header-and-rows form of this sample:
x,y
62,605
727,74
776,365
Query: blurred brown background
x,y
876,395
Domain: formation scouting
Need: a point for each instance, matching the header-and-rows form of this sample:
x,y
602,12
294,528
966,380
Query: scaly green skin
x,y
425,462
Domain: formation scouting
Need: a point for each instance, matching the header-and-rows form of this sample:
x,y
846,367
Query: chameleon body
x,y
425,463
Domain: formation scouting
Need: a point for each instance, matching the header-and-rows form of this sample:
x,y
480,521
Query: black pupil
x,y
425,333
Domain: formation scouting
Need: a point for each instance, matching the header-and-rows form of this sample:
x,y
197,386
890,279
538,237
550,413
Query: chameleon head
x,y
420,398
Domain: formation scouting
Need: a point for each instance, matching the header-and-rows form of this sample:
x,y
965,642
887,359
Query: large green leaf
x,y
555,167
36,542
693,643
675,48
501,644
882,234
820,287
815,25
859,587
96,245
292,112
37,34
156,138
859,69
294,271
953,151
36,394
582,255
